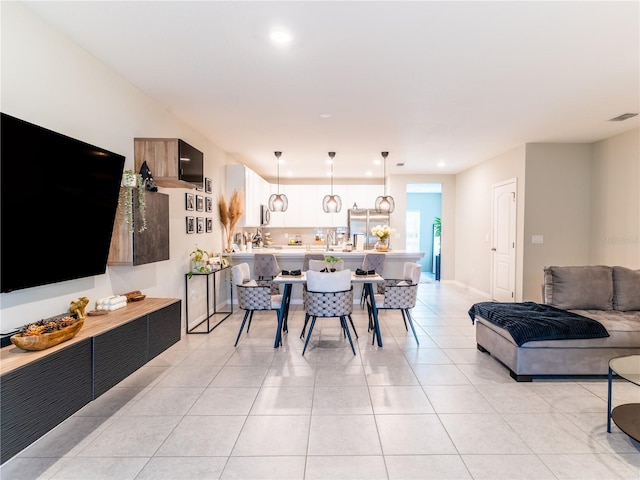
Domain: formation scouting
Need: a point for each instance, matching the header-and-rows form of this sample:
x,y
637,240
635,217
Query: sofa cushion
x,y
587,287
626,289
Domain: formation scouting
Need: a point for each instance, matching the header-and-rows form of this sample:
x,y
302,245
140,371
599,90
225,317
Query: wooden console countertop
x,y
12,357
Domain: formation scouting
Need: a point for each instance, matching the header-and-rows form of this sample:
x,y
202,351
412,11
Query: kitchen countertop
x,y
294,251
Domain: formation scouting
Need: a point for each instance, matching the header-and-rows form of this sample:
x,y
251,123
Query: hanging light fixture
x,y
278,202
331,203
385,204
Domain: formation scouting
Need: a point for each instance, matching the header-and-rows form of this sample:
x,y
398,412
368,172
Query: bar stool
x,y
376,262
320,265
266,268
310,256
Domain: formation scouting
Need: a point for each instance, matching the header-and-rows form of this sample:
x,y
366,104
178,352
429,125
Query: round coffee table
x,y
627,416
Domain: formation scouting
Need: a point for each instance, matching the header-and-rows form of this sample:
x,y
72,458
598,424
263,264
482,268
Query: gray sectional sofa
x,y
610,295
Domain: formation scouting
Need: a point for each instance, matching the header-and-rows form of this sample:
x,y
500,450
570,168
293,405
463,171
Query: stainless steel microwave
x,y
265,215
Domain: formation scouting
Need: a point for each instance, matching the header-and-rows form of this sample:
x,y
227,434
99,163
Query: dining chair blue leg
x,y
241,327
353,326
250,318
404,319
313,322
412,328
280,315
374,310
304,327
363,296
287,300
345,327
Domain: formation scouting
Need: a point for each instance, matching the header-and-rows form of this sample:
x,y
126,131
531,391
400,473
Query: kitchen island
x,y
291,258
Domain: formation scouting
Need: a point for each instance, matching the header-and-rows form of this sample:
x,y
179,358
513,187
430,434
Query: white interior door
x,y
503,272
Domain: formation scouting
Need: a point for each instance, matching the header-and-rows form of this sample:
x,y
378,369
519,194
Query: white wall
x,y
557,206
474,197
583,198
48,80
615,201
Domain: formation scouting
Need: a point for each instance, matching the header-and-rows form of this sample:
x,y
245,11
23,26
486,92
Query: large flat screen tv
x,y
191,164
59,199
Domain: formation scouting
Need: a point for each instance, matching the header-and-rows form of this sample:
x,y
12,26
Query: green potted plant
x,y
199,259
331,262
132,184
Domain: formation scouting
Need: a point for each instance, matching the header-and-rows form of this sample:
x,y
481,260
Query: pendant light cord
x,y
384,172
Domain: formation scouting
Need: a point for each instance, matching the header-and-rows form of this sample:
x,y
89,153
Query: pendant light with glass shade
x,y
331,203
278,202
385,204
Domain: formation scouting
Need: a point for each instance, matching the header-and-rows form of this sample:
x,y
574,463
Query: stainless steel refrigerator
x,y
361,221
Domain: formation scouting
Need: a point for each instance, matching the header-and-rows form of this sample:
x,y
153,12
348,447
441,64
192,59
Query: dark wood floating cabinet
x,y
41,389
151,245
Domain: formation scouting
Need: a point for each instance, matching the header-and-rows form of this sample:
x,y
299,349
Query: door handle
x,y
493,249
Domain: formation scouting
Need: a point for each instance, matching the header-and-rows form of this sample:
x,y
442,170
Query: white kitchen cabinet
x,y
305,201
254,188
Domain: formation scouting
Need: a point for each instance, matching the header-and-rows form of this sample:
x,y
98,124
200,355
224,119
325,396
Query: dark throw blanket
x,y
530,321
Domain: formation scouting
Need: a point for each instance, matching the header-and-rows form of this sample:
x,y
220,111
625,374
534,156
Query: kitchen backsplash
x,y
288,236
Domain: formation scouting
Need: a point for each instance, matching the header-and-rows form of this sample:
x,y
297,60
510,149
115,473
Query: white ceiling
x,y
453,82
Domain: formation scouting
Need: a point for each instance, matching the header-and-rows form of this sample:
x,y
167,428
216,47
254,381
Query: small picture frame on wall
x,y
200,225
191,224
208,185
208,204
209,225
190,201
199,203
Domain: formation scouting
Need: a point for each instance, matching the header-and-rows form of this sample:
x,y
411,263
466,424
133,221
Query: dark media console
x,y
41,389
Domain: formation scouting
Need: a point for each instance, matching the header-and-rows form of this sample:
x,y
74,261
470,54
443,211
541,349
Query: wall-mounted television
x,y
59,198
191,164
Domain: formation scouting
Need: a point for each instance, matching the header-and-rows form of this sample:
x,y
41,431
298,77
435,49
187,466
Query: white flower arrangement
x,y
383,231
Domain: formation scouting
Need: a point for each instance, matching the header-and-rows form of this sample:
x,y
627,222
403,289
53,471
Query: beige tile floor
x,y
443,410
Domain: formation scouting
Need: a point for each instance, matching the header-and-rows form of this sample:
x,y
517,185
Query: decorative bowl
x,y
46,340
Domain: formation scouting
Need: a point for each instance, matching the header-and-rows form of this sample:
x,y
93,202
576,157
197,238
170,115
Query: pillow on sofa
x,y
626,289
587,287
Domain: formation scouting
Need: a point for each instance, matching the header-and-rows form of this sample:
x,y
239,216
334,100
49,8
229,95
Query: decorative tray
x,y
29,340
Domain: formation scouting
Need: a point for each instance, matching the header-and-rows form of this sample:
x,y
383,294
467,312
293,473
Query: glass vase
x,y
383,244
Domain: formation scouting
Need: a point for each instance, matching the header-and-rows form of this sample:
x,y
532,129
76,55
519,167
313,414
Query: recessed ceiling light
x,y
281,37
442,163
325,115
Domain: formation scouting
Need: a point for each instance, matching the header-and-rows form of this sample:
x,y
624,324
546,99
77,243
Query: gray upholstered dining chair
x,y
400,294
328,294
252,296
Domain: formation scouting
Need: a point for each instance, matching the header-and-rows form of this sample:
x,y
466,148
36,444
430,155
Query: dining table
x,y
288,280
